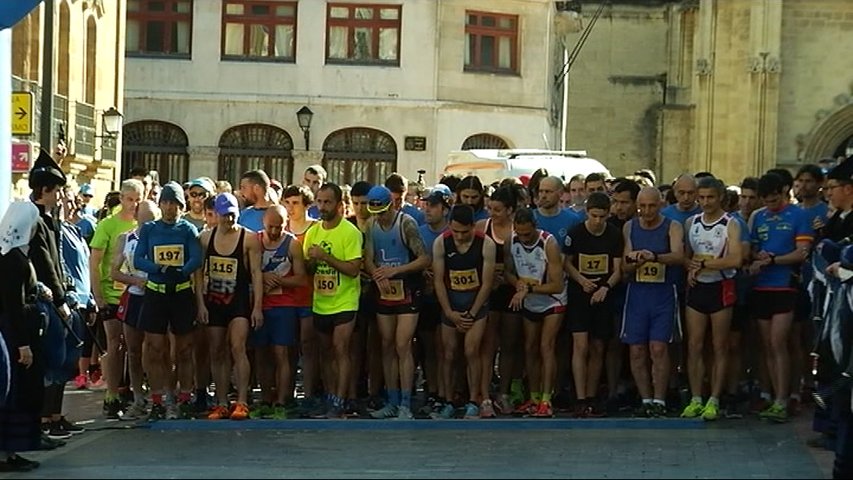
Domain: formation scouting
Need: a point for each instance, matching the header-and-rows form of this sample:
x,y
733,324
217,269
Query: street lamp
x,y
303,117
111,123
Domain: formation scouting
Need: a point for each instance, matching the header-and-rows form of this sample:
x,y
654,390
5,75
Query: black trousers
x,y
53,395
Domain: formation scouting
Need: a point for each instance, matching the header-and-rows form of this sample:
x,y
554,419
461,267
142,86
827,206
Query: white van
x,y
492,165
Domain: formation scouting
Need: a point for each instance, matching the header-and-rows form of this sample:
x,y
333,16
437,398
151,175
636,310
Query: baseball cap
x,y
87,190
203,183
439,193
226,203
378,199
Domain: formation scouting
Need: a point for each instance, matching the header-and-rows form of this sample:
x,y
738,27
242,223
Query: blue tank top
x,y
389,248
656,241
463,272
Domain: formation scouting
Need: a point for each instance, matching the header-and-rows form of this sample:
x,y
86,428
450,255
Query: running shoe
x,y
172,412
516,393
112,408
54,431
240,412
404,413
693,409
259,411
471,410
527,408
158,412
388,411
594,410
218,412
70,427
658,410
335,411
98,385
135,411
81,382
503,405
443,412
711,411
544,410
279,412
487,410
776,413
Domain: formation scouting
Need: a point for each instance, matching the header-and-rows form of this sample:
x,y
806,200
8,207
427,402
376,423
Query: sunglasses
x,y
376,204
198,194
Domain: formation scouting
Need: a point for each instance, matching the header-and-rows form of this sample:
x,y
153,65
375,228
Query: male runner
x,y
333,251
534,265
713,253
283,270
436,210
395,258
464,269
654,245
125,272
168,251
227,306
781,240
107,292
593,261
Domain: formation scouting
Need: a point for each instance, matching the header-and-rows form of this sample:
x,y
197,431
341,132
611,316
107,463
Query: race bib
x,y
169,255
395,292
462,280
223,268
326,284
593,264
651,272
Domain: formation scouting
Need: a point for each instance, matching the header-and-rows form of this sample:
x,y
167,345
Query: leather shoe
x,y
18,463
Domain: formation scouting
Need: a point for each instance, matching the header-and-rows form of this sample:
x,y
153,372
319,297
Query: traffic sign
x,y
21,157
22,113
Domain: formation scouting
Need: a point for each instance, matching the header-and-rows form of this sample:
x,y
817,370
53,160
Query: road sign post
x,y
22,113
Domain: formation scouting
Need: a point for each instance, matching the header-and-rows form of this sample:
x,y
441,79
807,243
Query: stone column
x,y
204,162
302,159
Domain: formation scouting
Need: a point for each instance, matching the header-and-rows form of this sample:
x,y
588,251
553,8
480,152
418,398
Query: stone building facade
x,y
732,87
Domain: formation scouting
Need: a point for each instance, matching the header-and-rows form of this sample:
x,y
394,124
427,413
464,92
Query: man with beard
x,y
333,252
258,196
199,190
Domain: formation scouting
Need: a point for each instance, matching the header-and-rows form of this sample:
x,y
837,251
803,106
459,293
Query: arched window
x,y
156,146
255,146
355,154
484,141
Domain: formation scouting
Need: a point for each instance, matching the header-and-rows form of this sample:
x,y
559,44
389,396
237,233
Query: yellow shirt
x,y
335,292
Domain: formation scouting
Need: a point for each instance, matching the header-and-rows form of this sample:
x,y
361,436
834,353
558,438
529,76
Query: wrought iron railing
x,y
84,129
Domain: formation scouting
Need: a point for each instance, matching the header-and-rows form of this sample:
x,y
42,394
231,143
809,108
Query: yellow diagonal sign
x,y
22,113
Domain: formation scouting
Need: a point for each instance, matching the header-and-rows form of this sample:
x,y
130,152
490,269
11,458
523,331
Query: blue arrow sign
x,y
13,11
